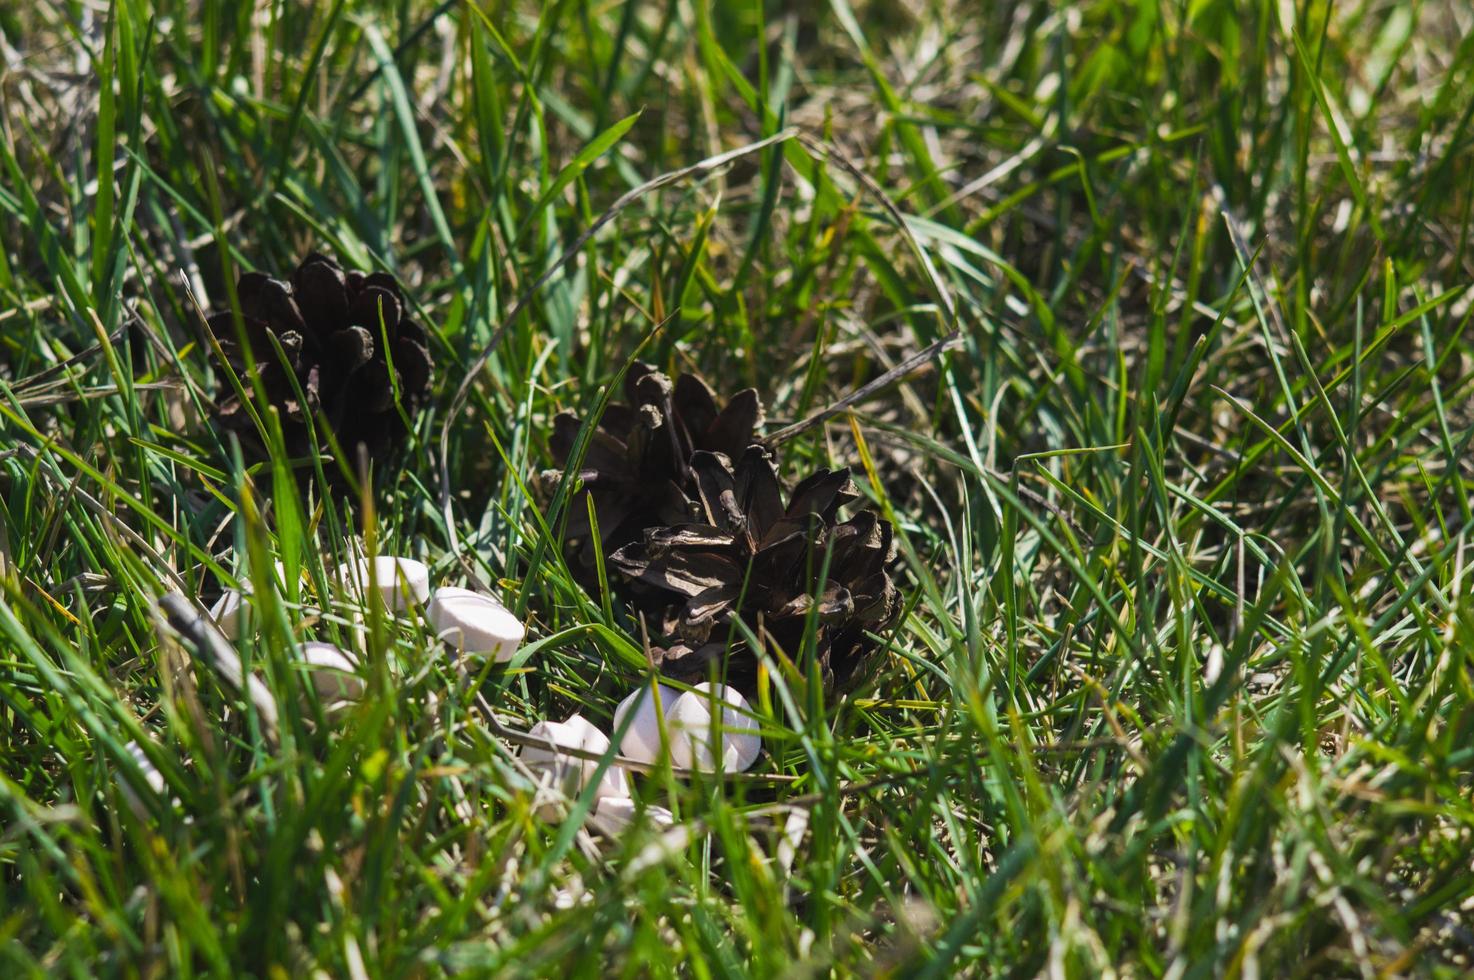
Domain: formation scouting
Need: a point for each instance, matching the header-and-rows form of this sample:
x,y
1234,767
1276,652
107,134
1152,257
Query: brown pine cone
x,y
346,339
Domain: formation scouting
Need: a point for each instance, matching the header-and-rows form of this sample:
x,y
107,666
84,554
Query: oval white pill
x,y
474,623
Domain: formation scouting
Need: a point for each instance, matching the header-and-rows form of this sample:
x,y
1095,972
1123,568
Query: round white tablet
x,y
401,582
619,812
696,736
474,623
641,740
689,727
570,774
226,612
152,778
334,671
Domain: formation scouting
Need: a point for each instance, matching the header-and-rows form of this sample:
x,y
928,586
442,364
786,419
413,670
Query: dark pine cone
x,y
749,556
635,469
331,327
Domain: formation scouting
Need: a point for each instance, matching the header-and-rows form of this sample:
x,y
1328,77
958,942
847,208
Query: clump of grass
x,y
1181,682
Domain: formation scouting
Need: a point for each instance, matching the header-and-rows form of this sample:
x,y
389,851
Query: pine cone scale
x,y
731,431
376,305
687,573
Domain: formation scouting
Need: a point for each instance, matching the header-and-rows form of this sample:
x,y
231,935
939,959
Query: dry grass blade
x,y
209,646
913,363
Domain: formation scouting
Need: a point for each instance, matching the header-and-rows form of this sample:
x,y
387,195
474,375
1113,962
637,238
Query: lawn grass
x,y
1182,687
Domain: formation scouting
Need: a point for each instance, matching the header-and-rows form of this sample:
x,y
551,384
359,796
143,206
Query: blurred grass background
x,y
1183,687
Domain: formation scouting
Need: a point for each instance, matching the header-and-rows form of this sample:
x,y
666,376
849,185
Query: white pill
x,y
569,775
226,612
572,897
334,672
474,623
401,581
641,740
690,728
614,782
620,812
152,778
695,735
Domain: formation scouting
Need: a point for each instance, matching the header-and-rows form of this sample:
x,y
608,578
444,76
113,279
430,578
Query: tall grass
x,y
1182,687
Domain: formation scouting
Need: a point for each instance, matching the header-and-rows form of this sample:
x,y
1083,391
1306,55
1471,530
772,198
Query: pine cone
x,y
749,556
635,469
331,327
